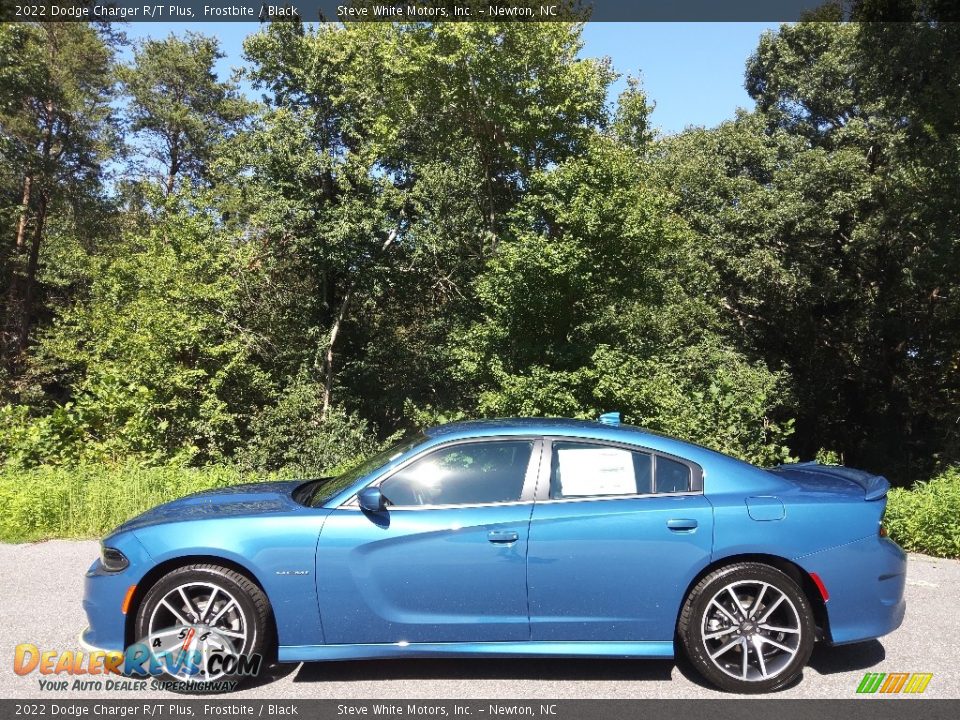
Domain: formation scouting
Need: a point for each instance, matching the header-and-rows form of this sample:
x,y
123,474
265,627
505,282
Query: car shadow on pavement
x,y
825,660
486,669
828,660
690,673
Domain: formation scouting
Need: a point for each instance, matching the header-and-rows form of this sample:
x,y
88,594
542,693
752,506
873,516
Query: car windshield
x,y
328,487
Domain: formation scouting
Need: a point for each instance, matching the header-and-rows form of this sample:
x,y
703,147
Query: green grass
x,y
926,519
89,501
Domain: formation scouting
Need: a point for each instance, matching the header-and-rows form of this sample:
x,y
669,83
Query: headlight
x,y
112,559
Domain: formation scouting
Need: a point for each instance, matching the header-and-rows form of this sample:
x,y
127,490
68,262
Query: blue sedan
x,y
524,537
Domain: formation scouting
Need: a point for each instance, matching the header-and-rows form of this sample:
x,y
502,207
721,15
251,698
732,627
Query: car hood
x,y
236,501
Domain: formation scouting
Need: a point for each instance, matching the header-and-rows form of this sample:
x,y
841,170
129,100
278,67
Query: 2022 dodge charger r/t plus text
x,y
523,537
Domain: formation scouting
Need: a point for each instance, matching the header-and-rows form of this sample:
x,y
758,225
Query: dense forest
x,y
406,224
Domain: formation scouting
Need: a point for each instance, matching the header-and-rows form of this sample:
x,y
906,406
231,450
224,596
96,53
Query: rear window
x,y
588,470
671,476
582,470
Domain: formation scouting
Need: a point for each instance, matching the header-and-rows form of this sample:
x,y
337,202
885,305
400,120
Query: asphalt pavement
x,y
43,584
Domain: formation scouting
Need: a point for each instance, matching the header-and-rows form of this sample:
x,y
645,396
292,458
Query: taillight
x,y
883,529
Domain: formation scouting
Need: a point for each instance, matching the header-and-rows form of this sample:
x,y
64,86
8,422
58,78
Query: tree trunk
x,y
328,360
12,307
21,293
32,265
173,168
24,209
335,331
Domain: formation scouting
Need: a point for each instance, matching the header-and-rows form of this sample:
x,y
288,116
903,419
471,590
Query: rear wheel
x,y
207,610
747,628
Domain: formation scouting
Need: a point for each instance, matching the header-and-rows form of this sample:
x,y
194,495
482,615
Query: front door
x,y
445,562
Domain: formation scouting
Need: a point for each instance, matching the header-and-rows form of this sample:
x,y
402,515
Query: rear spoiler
x,y
874,486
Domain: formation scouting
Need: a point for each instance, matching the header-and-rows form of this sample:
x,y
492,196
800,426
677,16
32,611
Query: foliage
x,y
294,438
179,106
423,222
89,500
108,421
379,223
588,307
824,215
157,357
57,131
828,457
926,519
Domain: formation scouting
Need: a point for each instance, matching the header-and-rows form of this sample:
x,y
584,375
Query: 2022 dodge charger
x,y
523,537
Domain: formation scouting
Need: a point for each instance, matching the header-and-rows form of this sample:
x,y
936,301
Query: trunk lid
x,y
837,478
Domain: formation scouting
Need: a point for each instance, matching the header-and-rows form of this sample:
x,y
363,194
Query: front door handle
x,y
681,524
503,537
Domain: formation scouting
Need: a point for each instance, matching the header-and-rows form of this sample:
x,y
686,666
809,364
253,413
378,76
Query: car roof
x,y
511,426
569,427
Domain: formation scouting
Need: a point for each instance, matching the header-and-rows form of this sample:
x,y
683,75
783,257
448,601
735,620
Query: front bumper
x,y
865,580
86,645
104,592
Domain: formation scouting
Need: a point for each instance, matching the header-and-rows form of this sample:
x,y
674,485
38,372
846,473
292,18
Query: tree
x,y
594,304
427,221
631,121
157,357
57,131
375,134
178,107
825,215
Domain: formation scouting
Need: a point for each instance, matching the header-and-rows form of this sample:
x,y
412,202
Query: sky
x,y
692,71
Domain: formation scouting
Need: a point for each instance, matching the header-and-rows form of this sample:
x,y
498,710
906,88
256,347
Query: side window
x,y
671,476
464,474
587,470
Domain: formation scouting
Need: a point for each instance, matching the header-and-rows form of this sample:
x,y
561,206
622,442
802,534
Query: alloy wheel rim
x,y
216,619
751,630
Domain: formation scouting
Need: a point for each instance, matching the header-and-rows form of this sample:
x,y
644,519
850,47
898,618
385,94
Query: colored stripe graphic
x,y
914,683
894,682
918,682
870,682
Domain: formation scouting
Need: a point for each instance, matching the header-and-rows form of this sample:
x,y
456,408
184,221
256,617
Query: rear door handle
x,y
680,524
503,537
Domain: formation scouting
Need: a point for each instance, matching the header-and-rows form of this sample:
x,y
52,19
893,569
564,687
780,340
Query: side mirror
x,y
372,500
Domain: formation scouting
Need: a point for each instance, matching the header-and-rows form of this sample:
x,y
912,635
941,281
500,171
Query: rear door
x,y
446,561
616,536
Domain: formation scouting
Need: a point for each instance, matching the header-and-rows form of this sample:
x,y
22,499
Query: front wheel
x,y
747,628
200,621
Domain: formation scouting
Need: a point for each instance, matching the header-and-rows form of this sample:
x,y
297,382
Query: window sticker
x,y
596,471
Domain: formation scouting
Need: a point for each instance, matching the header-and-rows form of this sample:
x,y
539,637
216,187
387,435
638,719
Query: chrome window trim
x,y
416,508
601,498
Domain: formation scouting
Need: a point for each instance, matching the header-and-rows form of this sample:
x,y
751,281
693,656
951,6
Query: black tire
x,y
254,611
700,613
